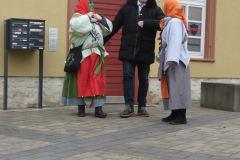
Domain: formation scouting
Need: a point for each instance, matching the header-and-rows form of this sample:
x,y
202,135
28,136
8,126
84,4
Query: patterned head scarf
x,y
173,8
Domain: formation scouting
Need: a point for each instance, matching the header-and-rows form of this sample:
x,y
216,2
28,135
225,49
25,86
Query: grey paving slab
x,y
16,155
58,133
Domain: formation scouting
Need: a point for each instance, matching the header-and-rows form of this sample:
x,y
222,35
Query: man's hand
x,y
90,14
97,17
169,63
140,24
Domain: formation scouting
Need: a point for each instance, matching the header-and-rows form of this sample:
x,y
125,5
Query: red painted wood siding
x,y
114,72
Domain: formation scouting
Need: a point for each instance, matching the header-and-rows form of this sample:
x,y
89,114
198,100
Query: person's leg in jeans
x,y
143,71
128,75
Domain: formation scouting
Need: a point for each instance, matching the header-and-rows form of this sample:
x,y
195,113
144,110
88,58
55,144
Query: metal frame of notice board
x,y
26,34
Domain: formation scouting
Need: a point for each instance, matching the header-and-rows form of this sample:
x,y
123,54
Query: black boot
x,y
99,112
181,118
81,110
171,117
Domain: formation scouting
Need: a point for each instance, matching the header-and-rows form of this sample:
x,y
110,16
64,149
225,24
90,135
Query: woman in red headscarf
x,y
86,88
174,63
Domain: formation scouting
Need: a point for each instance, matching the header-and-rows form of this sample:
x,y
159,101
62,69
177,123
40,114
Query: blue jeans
x,y
128,75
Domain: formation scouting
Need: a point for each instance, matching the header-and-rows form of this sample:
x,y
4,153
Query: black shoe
x,y
99,112
181,118
81,110
171,117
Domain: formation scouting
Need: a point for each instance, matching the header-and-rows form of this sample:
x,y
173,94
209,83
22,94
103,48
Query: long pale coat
x,y
178,75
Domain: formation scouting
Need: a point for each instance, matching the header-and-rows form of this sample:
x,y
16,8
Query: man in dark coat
x,y
140,21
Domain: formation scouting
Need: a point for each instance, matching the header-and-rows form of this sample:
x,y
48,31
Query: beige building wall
x,y
227,46
26,62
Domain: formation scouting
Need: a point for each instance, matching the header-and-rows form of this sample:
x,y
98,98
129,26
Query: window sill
x,y
202,60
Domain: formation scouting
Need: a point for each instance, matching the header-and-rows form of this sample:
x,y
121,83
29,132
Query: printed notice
x,y
53,39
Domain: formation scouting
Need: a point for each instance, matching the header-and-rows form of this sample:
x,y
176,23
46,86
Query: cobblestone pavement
x,y
58,133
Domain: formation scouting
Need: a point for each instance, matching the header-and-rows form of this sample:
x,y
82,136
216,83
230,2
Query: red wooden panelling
x,y
113,42
112,55
114,86
110,2
114,72
107,13
107,6
114,92
114,67
117,36
114,80
112,61
112,48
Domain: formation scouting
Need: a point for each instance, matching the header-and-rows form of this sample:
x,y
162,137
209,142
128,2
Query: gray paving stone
x,y
46,158
19,154
197,158
23,158
58,133
3,158
222,158
66,154
129,152
141,148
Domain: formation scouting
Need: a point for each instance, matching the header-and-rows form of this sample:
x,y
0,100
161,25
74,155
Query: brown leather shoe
x,y
142,112
129,111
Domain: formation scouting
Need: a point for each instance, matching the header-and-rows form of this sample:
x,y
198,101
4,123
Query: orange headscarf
x,y
82,7
173,8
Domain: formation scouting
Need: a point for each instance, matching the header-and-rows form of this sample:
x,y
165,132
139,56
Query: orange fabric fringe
x,y
164,87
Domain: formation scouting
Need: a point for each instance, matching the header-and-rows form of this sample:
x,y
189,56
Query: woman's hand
x,y
97,17
140,24
169,63
90,14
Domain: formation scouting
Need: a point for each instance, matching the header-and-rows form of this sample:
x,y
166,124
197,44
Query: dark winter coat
x,y
137,44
